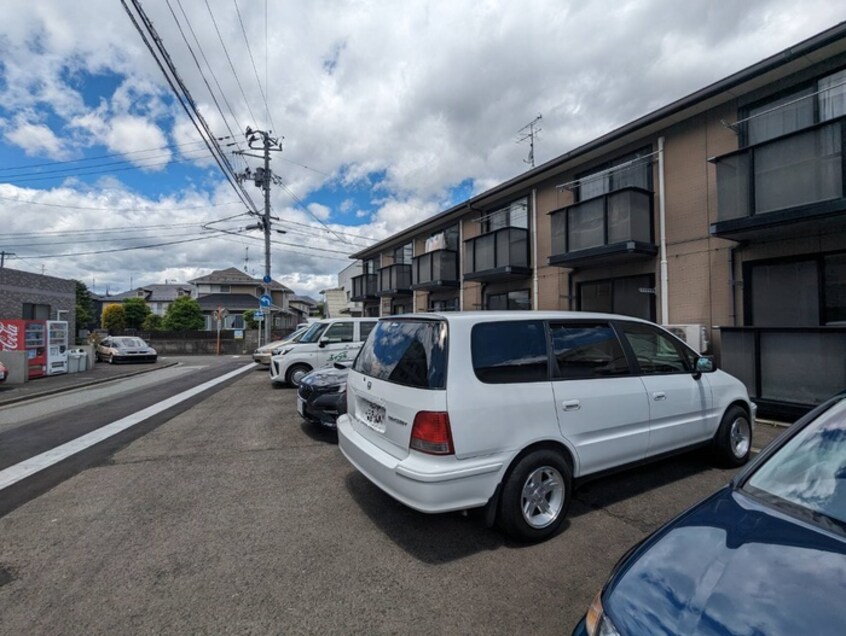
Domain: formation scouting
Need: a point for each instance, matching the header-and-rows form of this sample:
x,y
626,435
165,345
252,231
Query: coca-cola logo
x,y
9,334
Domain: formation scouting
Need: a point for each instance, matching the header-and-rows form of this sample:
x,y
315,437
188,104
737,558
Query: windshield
x,y
314,332
808,473
298,334
408,352
128,343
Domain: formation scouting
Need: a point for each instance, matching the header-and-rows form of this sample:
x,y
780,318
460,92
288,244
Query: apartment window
x,y
34,311
444,305
629,296
514,215
819,101
632,170
513,300
370,266
798,292
403,255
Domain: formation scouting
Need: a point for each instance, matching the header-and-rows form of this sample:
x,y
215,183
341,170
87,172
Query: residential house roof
x,y
234,276
304,300
236,303
166,293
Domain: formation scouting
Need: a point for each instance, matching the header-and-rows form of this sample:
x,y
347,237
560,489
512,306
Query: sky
x,y
387,113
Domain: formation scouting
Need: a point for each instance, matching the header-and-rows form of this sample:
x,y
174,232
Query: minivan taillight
x,y
431,433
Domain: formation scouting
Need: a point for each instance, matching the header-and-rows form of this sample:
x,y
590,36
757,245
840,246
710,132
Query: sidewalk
x,y
101,372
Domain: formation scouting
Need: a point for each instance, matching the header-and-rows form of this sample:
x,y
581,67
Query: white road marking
x,y
24,469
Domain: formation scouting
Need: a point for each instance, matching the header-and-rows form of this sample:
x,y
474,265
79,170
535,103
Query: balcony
x,y
787,370
364,287
499,255
772,189
395,280
435,269
615,227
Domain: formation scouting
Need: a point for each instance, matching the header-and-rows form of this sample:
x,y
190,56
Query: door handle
x,y
571,405
659,396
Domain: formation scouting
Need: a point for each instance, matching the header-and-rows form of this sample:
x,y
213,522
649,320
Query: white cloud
x,y
37,140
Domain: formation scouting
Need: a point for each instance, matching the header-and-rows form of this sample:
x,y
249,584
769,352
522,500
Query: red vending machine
x,y
29,336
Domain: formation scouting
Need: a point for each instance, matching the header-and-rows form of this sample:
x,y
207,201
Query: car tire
x,y
535,496
295,374
733,441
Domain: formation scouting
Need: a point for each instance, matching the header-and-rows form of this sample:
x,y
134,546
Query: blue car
x,y
766,555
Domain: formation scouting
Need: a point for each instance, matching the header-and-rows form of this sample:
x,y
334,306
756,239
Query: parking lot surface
x,y
235,516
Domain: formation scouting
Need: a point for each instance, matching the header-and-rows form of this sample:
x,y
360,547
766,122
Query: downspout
x,y
461,253
732,286
662,225
534,249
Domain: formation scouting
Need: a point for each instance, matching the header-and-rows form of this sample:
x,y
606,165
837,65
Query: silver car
x,y
125,349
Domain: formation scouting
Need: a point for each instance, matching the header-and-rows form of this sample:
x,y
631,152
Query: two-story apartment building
x,y
724,210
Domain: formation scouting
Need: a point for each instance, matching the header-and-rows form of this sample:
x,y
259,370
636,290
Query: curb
x,y
72,387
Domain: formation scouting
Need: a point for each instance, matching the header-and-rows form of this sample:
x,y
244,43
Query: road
x,y
36,426
233,516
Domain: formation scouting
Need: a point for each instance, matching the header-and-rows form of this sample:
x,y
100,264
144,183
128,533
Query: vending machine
x,y
57,347
35,343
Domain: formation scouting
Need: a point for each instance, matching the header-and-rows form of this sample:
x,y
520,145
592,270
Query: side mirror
x,y
704,364
323,342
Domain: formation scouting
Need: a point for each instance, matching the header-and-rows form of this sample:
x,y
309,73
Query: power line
x,y
353,234
185,99
253,62
205,59
231,65
106,156
299,202
79,207
120,249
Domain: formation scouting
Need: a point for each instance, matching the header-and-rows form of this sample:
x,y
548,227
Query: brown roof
x,y
233,275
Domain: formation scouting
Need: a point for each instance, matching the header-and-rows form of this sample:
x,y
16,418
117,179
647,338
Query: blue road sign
x,y
258,315
266,279
264,301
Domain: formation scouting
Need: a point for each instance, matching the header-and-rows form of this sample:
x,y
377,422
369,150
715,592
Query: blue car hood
x,y
732,565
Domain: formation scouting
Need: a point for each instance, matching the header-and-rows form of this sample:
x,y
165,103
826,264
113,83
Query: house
x,y
722,213
307,306
345,277
158,297
236,292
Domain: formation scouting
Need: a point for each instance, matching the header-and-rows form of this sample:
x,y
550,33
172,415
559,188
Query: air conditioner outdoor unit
x,y
694,335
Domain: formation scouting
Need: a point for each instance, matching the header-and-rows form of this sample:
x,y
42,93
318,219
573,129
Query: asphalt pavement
x,y
234,516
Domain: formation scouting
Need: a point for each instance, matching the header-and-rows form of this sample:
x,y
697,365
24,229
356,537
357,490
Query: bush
x,y
136,312
184,314
114,317
153,322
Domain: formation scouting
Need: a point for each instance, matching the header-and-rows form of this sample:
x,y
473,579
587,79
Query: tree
x,y
136,312
184,314
250,319
84,308
153,322
114,317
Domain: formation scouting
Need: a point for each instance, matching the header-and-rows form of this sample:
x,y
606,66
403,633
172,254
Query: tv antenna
x,y
529,132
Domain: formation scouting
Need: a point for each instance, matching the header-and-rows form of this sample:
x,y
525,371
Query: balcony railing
x,y
438,268
787,370
395,280
785,180
364,287
501,254
614,226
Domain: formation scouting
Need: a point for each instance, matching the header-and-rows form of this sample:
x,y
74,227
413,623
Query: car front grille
x,y
305,391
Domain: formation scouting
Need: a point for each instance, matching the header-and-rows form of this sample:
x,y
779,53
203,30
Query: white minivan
x,y
326,342
504,409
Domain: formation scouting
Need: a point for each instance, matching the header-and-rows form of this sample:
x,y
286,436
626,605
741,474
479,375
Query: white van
x,y
504,409
325,342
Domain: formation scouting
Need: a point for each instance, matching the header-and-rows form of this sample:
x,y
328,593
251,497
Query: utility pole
x,y
3,255
530,131
262,140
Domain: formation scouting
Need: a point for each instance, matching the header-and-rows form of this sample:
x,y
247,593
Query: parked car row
x,y
504,411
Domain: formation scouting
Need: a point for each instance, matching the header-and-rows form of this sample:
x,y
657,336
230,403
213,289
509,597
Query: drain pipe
x,y
662,224
534,249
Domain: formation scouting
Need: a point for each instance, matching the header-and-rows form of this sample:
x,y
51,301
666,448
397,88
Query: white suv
x,y
326,342
504,409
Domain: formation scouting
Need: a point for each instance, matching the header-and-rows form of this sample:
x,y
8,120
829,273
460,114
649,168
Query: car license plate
x,y
300,405
374,416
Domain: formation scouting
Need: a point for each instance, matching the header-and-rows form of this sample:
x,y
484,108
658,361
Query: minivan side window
x,y
513,351
582,351
340,332
657,352
364,329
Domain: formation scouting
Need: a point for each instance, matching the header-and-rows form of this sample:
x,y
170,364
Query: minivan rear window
x,y
408,352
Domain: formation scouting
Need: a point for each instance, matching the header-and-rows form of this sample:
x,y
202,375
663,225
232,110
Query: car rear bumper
x,y
261,358
424,482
